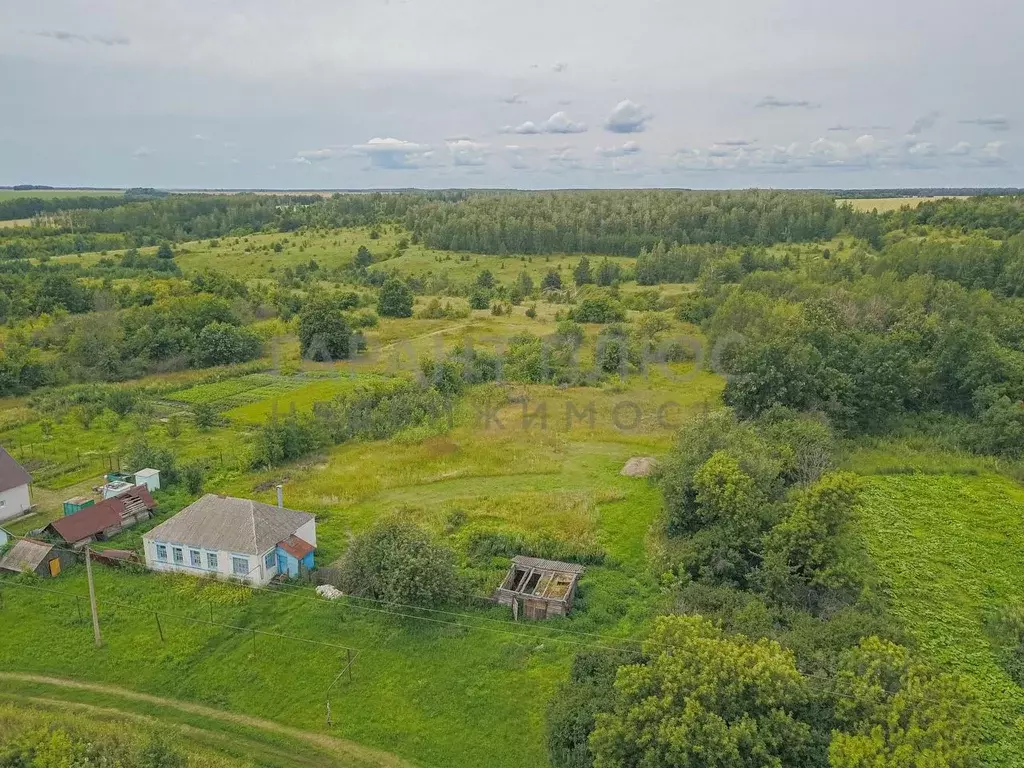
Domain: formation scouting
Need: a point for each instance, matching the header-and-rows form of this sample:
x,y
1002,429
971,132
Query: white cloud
x,y
564,159
467,153
629,148
960,149
627,117
201,137
314,155
515,98
992,153
560,122
142,153
772,102
527,128
559,66
394,154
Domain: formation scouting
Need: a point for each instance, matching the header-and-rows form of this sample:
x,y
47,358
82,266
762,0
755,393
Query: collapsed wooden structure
x,y
539,588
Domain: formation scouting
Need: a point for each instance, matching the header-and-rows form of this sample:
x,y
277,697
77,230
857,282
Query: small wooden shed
x,y
38,557
537,588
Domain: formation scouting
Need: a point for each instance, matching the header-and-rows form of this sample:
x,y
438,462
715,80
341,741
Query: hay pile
x,y
640,466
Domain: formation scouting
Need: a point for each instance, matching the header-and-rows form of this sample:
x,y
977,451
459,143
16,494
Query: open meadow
x,y
53,194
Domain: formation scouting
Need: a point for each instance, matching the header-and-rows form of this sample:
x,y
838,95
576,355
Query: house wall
x,y
258,576
308,532
14,501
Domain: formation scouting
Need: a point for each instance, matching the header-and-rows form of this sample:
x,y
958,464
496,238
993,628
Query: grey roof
x,y
12,474
25,555
224,523
546,565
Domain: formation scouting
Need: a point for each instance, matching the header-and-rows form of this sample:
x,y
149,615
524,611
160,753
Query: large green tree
x,y
395,299
399,562
220,344
324,333
705,700
893,711
812,555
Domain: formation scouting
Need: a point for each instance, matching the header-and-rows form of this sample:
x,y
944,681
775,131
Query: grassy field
x,y
952,549
51,194
884,204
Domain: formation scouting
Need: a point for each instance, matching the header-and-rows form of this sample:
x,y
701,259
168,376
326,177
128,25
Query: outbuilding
x,y
105,519
538,588
38,557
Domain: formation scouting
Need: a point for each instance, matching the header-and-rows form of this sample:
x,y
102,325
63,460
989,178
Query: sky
x,y
358,94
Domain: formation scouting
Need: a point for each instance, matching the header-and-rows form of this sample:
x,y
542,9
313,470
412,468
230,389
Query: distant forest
x,y
623,223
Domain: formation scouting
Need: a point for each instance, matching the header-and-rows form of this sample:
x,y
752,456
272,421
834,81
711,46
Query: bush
x,y
577,702
204,416
598,310
398,562
222,344
395,299
324,333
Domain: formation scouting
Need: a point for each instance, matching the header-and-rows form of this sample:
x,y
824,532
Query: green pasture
x,y
952,549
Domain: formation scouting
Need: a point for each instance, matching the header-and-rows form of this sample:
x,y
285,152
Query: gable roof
x,y
296,547
12,474
100,516
25,555
227,524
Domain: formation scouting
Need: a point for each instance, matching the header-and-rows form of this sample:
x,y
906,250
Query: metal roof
x,y
100,516
227,524
296,547
12,474
25,555
546,565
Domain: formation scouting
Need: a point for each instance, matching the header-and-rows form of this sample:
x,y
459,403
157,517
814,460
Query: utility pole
x,y
92,599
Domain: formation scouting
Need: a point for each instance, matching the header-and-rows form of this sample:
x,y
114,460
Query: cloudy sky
x,y
344,94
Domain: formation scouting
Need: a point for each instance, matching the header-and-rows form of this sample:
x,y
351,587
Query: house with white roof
x,y
233,538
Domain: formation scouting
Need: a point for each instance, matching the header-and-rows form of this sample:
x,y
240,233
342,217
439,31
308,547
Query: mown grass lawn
x,y
952,549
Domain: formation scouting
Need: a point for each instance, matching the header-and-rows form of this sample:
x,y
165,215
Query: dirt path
x,y
354,754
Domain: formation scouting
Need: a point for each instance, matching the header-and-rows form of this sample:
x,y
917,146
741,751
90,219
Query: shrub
x,y
395,299
222,344
598,310
399,562
324,333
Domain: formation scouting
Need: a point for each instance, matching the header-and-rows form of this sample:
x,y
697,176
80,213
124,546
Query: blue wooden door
x,y
282,564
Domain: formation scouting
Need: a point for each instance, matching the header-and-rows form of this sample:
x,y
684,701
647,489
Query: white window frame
x,y
195,558
235,560
161,553
211,560
178,555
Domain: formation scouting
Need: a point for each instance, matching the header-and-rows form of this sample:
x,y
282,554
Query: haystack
x,y
640,466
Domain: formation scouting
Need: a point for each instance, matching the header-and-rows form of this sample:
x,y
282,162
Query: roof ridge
x,y
252,516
